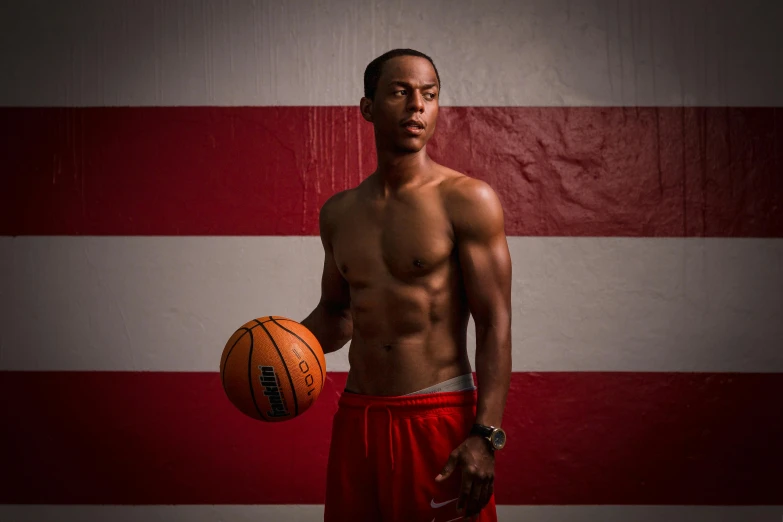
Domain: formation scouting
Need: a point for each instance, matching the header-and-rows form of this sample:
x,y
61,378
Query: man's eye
x,y
399,92
430,95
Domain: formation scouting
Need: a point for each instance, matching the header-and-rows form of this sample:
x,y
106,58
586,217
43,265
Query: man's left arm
x,y
485,262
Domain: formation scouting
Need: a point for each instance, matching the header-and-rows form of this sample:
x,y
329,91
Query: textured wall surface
x,y
301,52
164,166
642,172
579,304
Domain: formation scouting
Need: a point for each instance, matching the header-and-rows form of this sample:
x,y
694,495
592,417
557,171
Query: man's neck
x,y
397,170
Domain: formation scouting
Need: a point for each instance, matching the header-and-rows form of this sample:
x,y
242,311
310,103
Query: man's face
x,y
405,108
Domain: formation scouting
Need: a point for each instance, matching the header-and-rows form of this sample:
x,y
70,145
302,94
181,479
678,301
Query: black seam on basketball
x,y
308,347
285,366
225,363
250,376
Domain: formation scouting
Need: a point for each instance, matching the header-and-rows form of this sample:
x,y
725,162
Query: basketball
x,y
273,369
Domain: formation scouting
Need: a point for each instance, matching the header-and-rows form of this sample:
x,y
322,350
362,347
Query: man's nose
x,y
416,102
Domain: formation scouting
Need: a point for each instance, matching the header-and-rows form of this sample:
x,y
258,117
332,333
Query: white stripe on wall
x,y
299,52
314,513
579,304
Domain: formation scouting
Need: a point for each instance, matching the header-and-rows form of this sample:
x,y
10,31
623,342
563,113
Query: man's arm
x,y
485,261
331,321
486,272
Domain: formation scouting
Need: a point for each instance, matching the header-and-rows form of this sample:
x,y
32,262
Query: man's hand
x,y
477,462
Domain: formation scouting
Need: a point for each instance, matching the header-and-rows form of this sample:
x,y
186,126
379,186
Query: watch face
x,y
499,439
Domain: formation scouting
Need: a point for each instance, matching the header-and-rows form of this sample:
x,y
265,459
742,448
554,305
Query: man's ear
x,y
365,105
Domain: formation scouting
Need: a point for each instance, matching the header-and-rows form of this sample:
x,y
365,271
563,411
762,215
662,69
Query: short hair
x,y
372,74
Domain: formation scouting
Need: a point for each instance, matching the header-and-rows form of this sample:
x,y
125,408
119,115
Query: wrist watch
x,y
495,436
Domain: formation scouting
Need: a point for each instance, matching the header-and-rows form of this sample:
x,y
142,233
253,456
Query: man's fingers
x,y
490,490
484,499
448,469
486,495
474,505
465,488
478,498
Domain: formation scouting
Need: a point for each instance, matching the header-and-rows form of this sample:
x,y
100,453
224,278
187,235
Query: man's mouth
x,y
413,127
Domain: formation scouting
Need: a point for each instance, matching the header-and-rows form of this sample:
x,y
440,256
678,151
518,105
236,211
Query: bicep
x,y
335,294
486,274
483,253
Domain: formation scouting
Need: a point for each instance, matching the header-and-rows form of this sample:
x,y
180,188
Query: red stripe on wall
x,y
574,438
267,170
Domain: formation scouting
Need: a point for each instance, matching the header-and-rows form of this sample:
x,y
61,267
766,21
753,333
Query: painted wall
x,y
165,164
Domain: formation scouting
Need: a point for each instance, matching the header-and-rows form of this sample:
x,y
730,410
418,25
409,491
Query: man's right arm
x,y
331,321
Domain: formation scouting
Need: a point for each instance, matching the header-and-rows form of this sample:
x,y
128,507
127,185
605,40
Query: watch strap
x,y
480,429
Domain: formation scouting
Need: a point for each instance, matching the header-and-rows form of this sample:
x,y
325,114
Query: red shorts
x,y
386,452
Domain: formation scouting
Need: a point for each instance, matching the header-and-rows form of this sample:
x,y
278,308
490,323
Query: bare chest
x,y
404,241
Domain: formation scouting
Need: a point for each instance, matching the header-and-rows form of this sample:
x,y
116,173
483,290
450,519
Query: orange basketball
x,y
273,369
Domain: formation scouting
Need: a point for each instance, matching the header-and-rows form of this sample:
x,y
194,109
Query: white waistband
x,y
460,383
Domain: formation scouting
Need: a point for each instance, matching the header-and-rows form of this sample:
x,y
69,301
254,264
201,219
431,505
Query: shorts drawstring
x,y
391,438
391,433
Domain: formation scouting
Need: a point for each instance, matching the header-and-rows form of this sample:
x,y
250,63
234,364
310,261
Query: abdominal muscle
x,y
405,338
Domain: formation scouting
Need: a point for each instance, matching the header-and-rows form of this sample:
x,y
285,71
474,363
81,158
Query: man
x,y
410,253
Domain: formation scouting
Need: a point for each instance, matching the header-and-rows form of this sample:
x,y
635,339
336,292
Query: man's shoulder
x,y
460,190
471,203
334,207
337,201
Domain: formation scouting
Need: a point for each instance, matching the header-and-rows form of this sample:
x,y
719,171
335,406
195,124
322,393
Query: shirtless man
x,y
410,253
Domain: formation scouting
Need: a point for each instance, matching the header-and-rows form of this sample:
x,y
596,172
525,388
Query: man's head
x,y
372,74
401,92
